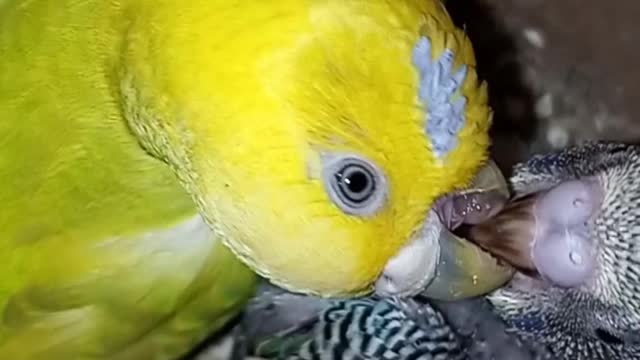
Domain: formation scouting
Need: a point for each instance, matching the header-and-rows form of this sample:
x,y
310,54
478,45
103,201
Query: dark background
x,y
559,71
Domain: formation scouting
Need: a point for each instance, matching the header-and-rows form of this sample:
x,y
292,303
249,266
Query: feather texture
x,y
125,120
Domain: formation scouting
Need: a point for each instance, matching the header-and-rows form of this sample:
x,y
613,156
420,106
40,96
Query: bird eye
x,y
355,185
608,337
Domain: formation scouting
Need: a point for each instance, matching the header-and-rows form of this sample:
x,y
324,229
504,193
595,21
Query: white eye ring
x,y
354,184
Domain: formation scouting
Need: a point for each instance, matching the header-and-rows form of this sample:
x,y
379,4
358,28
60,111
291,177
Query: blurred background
x,y
559,72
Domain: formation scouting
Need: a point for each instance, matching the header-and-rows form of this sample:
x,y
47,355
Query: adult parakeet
x,y
572,230
311,138
575,218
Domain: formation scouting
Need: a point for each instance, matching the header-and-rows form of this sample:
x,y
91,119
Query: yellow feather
x,y
109,101
245,105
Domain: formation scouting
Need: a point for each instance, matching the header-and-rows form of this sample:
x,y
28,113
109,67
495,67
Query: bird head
x,y
315,137
574,225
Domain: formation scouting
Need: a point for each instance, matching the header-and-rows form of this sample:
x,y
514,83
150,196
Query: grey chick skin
x,y
598,317
282,325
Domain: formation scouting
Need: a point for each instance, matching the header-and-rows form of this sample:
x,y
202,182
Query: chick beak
x,y
440,264
546,234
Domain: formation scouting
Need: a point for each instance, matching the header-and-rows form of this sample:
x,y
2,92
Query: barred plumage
x,y
380,329
281,325
601,319
368,328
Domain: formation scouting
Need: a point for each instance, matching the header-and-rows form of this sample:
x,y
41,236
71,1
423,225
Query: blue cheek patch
x,y
440,91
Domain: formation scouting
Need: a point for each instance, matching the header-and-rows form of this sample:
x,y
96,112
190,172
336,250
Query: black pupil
x,y
357,181
608,337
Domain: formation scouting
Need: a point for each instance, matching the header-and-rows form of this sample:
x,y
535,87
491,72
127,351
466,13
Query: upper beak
x,y
441,265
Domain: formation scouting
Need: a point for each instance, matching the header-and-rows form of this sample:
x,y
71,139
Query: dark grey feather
x,y
601,319
280,325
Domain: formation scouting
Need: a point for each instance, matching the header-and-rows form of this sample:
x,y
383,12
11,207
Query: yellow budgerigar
x,y
156,155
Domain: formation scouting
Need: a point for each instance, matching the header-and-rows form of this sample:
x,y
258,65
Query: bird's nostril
x,y
575,258
569,203
578,202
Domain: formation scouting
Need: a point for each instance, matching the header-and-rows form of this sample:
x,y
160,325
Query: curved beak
x,y
440,264
463,269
